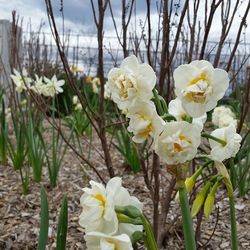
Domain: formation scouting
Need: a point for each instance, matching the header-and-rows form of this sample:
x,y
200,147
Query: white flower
x,y
107,92
95,83
144,121
39,85
199,86
8,115
75,99
175,109
223,117
53,86
78,106
232,141
100,241
98,212
99,203
130,82
18,80
122,198
178,142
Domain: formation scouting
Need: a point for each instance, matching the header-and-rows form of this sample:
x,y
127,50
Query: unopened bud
x,y
199,200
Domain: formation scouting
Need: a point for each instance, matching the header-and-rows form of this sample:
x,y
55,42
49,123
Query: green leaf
x,y
62,225
44,224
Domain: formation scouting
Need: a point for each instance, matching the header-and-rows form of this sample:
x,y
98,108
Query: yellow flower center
x,y
124,83
146,131
198,89
101,199
178,147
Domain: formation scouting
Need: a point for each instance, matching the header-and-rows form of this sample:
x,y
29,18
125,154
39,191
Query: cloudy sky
x,y
78,15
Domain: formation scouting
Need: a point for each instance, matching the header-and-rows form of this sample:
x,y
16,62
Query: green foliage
x,y
18,149
62,225
36,153
240,169
3,132
127,149
44,224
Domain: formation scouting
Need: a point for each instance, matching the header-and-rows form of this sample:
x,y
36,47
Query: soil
x,y
20,214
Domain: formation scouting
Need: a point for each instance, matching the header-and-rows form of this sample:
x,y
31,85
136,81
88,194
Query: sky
x,y
79,18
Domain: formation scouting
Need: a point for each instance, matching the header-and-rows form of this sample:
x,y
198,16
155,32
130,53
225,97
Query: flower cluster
x,y
198,87
41,85
100,220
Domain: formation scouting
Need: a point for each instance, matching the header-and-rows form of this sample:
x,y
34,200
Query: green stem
x,y
186,217
222,142
234,240
149,238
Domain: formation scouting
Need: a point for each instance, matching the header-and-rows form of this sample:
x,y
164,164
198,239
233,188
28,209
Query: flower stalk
x,y
208,136
234,239
186,217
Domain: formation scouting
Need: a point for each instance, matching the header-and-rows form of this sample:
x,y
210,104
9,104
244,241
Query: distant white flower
x,y
78,106
75,99
39,85
232,141
144,121
199,86
178,142
53,86
18,80
100,241
98,203
8,115
132,81
223,117
95,83
175,109
107,92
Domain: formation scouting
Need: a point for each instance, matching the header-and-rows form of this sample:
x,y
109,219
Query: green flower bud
x,y
209,203
129,211
190,182
199,200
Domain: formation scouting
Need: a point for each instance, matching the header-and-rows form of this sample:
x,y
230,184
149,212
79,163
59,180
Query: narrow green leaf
x,y
62,225
44,224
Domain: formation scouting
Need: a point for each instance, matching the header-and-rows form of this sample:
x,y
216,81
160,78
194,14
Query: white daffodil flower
x,y
130,82
178,142
18,80
121,197
98,212
39,85
53,86
199,86
175,109
232,141
100,241
144,121
107,92
98,203
223,117
75,99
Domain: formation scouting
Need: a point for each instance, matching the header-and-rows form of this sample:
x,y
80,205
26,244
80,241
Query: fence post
x,y
6,53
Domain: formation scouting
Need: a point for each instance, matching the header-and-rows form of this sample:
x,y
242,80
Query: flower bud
x,y
199,200
190,182
209,203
